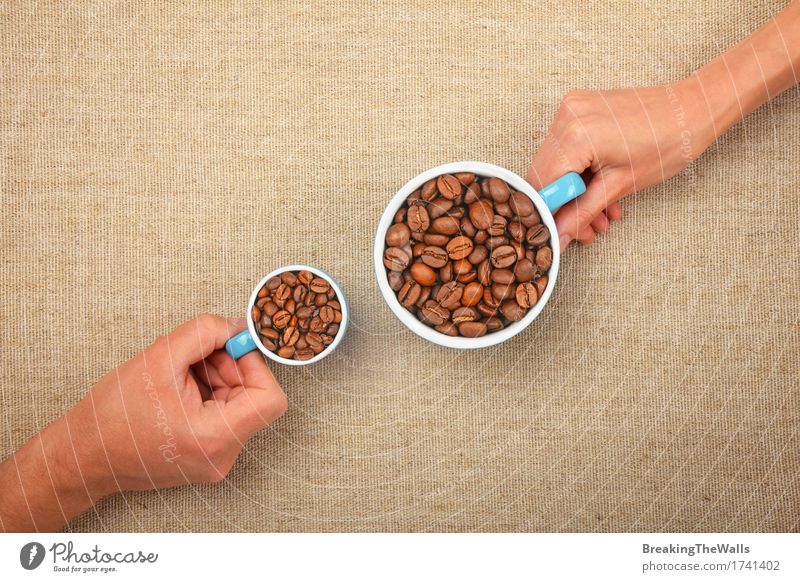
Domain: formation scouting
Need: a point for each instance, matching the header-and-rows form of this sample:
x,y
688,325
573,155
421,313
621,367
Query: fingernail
x,y
237,321
564,239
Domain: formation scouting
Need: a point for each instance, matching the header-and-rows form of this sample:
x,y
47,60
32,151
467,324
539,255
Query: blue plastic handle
x,y
240,344
566,188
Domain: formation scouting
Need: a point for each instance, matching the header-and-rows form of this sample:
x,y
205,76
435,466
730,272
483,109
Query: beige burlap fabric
x,y
157,160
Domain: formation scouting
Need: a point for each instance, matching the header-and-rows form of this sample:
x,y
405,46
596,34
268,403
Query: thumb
x,y
574,218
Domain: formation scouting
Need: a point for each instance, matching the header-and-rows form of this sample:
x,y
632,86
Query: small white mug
x,y
249,340
547,201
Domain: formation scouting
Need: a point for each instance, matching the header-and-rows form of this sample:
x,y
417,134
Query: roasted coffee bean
x,y
541,285
516,231
467,277
418,219
537,235
504,210
498,226
485,273
269,344
472,193
409,293
319,285
524,270
289,278
511,310
498,190
526,295
504,256
281,319
305,277
255,313
487,310
446,273
395,259
262,293
326,339
544,258
467,228
447,328
459,247
423,274
326,314
520,204
320,300
314,341
290,336
435,313
335,304
436,240
286,352
472,295
428,190
449,186
332,329
265,321
304,354
481,214
439,207
473,245
300,293
273,283
504,276
282,293
463,314
493,324
465,178
398,235
450,294
395,280
316,324
472,329
478,255
290,306
445,225
424,295
399,216
500,291
270,333
461,267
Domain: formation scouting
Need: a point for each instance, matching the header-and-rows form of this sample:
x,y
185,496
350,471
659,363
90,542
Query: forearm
x,y
44,485
756,70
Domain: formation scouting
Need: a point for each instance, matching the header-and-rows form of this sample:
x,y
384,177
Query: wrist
x,y
81,473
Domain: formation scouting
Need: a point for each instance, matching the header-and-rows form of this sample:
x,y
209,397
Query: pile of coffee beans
x,y
467,254
297,315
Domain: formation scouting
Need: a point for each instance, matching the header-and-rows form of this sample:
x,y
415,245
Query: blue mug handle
x,y
240,344
566,188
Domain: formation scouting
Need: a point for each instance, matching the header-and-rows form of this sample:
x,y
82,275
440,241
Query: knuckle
x,y
280,404
206,321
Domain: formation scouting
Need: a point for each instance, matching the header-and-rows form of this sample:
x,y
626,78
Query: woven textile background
x,y
157,160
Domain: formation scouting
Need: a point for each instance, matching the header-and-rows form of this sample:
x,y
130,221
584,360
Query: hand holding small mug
x,y
178,412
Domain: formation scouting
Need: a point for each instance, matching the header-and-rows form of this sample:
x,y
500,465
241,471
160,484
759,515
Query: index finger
x,y
196,339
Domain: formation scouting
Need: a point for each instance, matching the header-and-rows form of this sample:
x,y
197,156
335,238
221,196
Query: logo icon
x,y
31,555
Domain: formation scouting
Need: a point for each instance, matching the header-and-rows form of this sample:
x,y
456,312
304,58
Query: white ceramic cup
x,y
248,340
547,201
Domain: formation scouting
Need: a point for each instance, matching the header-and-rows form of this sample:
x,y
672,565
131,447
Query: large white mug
x,y
547,201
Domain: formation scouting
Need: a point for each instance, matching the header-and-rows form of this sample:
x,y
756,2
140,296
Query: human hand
x,y
178,412
620,141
